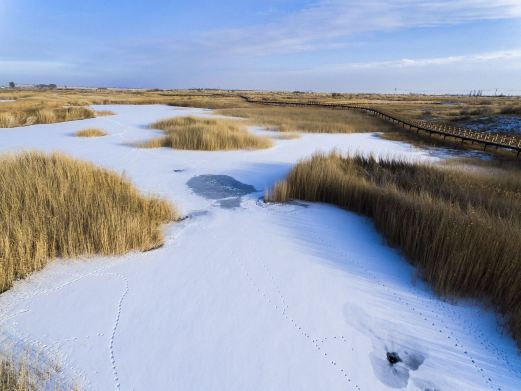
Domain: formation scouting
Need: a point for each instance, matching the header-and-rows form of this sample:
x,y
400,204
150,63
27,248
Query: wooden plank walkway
x,y
503,141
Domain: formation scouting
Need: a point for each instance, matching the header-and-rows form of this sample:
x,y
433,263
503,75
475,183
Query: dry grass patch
x,y
460,228
48,106
31,374
513,110
103,113
207,102
310,119
90,132
205,134
287,136
53,206
36,115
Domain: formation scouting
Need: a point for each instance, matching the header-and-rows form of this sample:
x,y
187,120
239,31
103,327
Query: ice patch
x,y
223,188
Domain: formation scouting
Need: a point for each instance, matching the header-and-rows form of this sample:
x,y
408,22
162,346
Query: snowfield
x,y
256,297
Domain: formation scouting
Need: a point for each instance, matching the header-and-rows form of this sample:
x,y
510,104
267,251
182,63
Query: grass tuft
x,y
90,132
460,228
103,113
206,134
53,206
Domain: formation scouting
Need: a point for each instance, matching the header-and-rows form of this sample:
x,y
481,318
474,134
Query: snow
x,y
261,297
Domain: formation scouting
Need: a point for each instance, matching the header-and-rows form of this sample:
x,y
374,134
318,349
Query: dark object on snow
x,y
393,358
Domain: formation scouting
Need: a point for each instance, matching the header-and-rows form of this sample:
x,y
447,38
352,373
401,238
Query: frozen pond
x,y
226,190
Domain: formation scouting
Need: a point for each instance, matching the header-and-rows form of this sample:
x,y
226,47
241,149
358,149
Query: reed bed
x,y
205,134
32,116
460,228
90,132
52,206
309,119
207,102
446,108
103,113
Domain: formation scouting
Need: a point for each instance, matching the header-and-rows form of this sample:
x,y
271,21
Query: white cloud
x,y
326,23
474,58
505,57
28,66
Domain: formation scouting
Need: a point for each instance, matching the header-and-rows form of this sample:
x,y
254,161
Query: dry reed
x,y
31,373
53,206
90,132
103,113
460,228
206,134
32,116
310,119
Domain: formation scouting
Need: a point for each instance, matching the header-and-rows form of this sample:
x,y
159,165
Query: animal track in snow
x,y
427,309
282,308
52,349
438,324
114,329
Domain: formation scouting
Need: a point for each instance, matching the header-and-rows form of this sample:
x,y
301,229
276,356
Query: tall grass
x,y
53,206
460,228
205,134
31,116
90,132
310,119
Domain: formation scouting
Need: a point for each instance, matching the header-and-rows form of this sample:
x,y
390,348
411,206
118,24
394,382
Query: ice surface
x,y
223,188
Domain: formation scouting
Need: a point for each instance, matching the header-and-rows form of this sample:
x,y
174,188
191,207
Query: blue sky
x,y
325,45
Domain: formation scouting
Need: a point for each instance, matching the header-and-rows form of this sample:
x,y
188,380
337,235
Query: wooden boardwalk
x,y
503,141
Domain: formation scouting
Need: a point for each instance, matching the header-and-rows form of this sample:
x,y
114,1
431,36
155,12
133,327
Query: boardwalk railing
x,y
503,141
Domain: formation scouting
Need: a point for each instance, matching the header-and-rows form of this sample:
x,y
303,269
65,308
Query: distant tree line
x,y
51,86
46,86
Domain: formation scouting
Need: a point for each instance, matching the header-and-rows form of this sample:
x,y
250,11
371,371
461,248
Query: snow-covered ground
x,y
260,297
